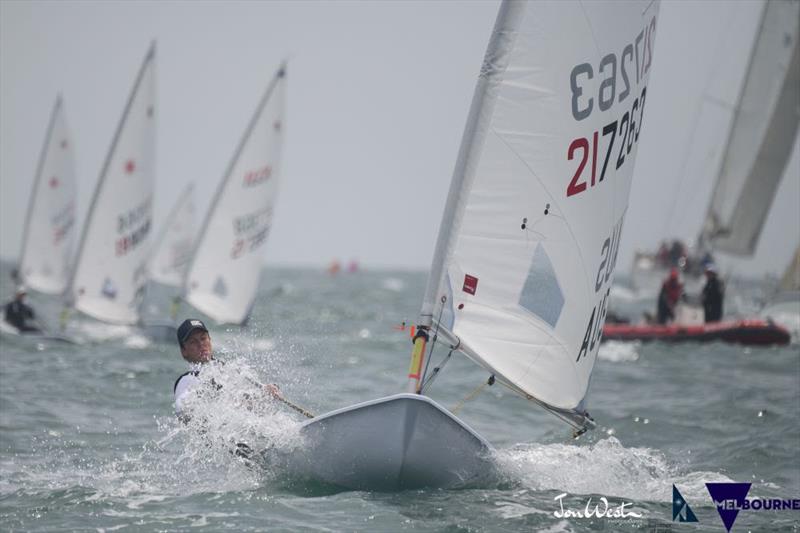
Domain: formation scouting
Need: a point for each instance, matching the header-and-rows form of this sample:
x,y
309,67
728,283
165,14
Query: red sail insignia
x,y
470,284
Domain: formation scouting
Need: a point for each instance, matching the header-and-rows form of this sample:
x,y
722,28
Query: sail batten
x,y
527,248
110,270
224,270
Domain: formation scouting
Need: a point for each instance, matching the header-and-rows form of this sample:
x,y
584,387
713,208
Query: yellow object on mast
x,y
417,358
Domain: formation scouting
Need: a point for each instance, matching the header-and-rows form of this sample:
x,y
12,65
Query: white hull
x,y
160,331
406,441
11,331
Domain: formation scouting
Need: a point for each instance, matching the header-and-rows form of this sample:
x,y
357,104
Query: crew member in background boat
x,y
195,343
712,295
671,292
21,315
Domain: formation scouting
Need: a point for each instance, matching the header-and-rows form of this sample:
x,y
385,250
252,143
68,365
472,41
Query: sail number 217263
x,y
636,56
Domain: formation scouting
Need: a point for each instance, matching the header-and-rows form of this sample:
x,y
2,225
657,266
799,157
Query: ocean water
x,y
89,440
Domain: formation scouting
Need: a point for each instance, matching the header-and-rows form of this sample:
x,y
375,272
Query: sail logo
x,y
109,290
680,508
730,498
220,288
470,284
254,177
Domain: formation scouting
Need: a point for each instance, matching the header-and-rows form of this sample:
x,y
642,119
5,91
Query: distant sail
x,y
173,247
49,233
226,265
791,277
111,266
762,134
529,239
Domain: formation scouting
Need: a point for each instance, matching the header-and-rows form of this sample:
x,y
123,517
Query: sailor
x,y
195,344
671,292
712,295
21,315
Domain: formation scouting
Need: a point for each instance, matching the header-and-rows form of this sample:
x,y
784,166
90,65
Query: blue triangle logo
x,y
729,499
680,508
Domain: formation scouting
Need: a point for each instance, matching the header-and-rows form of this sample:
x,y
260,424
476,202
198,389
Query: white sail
x,y
111,265
224,271
763,129
49,232
173,247
529,239
791,277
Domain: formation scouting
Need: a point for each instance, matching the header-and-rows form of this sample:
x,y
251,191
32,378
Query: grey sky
x,y
378,98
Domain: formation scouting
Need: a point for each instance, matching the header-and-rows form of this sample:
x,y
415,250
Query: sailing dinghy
x,y
110,271
527,247
49,230
225,266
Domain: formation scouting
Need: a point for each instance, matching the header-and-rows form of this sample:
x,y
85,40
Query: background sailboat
x,y
784,305
762,132
527,246
167,265
173,246
225,266
110,271
49,231
761,137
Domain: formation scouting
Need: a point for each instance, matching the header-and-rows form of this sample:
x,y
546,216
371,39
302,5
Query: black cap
x,y
187,327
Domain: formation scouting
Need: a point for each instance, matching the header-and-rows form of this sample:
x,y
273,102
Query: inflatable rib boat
x,y
754,332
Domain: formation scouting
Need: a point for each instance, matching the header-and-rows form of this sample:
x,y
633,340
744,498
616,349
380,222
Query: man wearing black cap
x,y
195,344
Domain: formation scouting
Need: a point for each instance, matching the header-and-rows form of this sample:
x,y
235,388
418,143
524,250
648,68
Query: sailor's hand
x,y
273,391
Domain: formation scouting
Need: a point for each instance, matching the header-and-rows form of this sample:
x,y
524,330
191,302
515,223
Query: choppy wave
x,y
619,352
605,467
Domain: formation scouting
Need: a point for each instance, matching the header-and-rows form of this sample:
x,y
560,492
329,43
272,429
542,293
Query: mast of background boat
x,y
36,182
480,114
228,173
70,300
